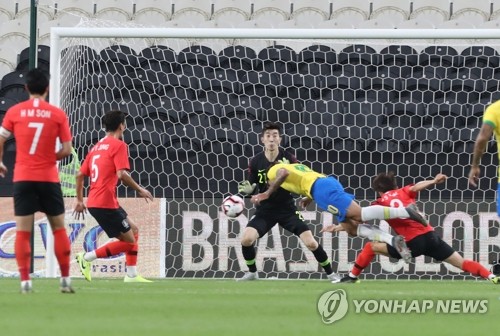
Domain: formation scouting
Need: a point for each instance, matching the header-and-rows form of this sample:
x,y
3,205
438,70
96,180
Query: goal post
x,y
194,123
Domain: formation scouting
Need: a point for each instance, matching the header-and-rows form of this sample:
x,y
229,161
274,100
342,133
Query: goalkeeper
x,y
280,208
330,195
422,240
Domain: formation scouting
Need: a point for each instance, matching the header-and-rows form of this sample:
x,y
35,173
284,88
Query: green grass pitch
x,y
227,307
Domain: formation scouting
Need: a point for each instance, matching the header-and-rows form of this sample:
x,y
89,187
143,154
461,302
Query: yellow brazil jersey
x,y
492,117
300,178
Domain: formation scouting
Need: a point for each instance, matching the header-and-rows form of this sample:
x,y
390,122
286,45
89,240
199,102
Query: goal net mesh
x,y
348,108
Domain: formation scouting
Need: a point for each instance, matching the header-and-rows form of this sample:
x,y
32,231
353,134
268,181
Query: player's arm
x,y
64,151
3,169
349,226
65,138
4,135
281,176
126,179
422,185
332,228
120,160
80,207
479,147
304,202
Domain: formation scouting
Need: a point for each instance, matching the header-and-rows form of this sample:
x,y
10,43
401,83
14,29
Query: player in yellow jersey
x,y
491,124
329,195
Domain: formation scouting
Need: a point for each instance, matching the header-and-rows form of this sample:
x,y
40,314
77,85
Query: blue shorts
x,y
329,195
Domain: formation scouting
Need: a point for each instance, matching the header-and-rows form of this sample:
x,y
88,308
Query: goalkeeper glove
x,y
246,188
284,161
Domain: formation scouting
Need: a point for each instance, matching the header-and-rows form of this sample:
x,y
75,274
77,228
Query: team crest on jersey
x,y
333,210
302,168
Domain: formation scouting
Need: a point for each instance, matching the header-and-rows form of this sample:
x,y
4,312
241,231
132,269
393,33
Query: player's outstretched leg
x,y
472,267
416,214
85,266
363,259
375,234
398,242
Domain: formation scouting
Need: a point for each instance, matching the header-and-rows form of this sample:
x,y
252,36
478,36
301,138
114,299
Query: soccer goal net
x,y
352,103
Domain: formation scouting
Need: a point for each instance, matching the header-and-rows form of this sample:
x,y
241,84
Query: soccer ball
x,y
233,206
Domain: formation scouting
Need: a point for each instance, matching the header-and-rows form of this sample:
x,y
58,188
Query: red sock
x,y
131,256
113,248
475,268
22,248
364,259
62,250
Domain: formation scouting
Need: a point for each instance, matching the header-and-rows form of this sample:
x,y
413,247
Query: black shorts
x,y
428,244
290,221
112,221
33,196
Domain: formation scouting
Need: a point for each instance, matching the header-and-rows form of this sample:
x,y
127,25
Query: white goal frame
x,y
59,33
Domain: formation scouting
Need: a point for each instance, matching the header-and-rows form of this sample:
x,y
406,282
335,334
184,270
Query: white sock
x,y
23,283
374,233
90,256
382,212
66,280
131,271
352,275
491,276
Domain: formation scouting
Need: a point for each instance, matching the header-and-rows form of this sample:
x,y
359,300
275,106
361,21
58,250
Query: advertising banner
x,y
193,238
203,242
86,235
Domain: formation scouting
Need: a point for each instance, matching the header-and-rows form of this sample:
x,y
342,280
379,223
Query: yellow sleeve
x,y
491,115
271,174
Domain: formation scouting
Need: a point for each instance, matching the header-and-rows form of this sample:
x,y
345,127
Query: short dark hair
x,y
384,182
271,126
37,81
112,120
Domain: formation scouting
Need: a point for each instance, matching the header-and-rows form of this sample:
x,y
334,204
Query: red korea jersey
x,y
107,157
406,227
36,125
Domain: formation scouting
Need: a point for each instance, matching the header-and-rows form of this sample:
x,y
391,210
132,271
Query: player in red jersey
x,y
422,240
106,163
36,125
